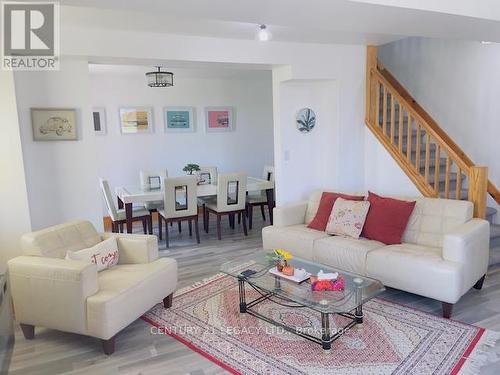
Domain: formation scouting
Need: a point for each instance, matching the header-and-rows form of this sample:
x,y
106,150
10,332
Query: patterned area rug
x,y
393,339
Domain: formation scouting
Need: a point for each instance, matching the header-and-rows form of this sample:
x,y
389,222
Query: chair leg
x,y
219,234
113,227
239,218
263,212
231,220
150,224
208,221
108,346
447,310
28,331
166,233
160,224
479,284
204,213
196,230
145,225
250,216
167,301
190,224
245,231
121,227
179,224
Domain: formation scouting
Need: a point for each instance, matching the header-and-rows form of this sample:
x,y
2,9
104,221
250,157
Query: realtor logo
x,y
30,38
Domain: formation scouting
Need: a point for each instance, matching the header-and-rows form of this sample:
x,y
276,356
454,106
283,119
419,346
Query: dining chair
x,y
153,180
259,199
118,216
207,175
230,201
180,204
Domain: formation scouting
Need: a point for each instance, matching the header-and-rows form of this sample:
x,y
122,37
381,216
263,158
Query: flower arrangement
x,y
190,168
280,257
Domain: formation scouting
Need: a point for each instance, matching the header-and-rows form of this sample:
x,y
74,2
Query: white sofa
x,y
444,251
71,296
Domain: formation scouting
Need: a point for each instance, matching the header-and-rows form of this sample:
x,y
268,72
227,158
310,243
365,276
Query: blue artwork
x,y
179,119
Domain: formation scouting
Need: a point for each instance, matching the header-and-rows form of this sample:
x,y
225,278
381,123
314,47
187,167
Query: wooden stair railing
x,y
430,158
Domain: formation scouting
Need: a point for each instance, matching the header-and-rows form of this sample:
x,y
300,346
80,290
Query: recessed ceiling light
x,y
263,35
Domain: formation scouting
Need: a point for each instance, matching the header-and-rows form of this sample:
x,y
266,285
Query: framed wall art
x,y
179,119
219,119
136,120
99,120
54,124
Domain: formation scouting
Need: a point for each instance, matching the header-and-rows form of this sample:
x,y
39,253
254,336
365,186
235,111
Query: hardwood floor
x,y
140,352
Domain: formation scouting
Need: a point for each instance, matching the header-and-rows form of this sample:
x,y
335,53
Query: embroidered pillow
x,y
387,219
325,208
347,217
104,255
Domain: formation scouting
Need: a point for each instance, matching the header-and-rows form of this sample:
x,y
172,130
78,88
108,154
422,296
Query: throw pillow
x,y
387,219
104,254
325,208
347,217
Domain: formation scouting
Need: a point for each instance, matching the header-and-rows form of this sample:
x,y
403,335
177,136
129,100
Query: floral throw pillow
x,y
104,254
347,218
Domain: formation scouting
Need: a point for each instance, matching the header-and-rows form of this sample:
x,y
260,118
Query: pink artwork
x,y
219,119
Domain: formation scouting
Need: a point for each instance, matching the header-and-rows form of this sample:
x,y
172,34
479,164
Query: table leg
x,y
128,215
270,203
358,314
325,331
243,302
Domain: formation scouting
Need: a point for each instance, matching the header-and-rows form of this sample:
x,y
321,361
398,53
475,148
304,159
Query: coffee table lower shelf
x,y
326,339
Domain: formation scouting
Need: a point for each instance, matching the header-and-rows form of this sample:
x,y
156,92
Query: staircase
x,y
436,165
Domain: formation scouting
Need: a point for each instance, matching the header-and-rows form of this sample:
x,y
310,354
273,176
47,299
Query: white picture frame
x,y
54,124
99,120
136,120
174,119
219,119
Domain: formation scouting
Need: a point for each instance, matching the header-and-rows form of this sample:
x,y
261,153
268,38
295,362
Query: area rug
x,y
393,339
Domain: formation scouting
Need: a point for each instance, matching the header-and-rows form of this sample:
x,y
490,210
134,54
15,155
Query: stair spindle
x,y
400,129
458,186
377,103
393,115
447,178
417,148
384,111
408,138
437,161
427,155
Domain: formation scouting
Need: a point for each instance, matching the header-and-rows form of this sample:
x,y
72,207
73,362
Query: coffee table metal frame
x,y
355,316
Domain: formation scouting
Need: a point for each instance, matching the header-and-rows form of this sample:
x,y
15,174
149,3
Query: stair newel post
x,y
371,85
478,186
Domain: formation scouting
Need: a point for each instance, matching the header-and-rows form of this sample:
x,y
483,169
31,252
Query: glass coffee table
x,y
347,303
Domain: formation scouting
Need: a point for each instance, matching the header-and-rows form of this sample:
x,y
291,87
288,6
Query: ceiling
x,y
309,21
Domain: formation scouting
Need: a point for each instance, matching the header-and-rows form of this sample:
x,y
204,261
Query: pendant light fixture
x,y
160,78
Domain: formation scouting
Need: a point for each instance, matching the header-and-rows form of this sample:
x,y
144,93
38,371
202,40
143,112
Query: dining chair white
x,y
260,199
153,180
230,201
118,216
180,204
207,175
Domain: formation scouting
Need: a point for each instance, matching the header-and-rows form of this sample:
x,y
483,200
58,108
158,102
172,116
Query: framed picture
x,y
99,120
54,124
136,120
179,119
219,119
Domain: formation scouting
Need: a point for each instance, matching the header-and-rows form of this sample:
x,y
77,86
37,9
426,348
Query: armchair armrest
x,y
469,244
135,248
52,292
291,214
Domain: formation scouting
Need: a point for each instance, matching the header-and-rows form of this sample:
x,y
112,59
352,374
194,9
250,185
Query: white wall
x,y
458,83
247,149
15,217
61,177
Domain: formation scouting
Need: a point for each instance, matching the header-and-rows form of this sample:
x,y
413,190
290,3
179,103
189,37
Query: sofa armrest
x,y
291,214
469,244
135,248
52,292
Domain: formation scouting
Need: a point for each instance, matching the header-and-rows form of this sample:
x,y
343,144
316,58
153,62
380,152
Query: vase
x,y
280,265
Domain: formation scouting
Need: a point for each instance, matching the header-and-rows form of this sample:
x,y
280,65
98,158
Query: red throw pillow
x,y
387,219
325,208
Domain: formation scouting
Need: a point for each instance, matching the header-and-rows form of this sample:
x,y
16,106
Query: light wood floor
x,y
140,352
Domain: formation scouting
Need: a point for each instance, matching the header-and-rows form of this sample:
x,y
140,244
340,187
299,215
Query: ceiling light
x,y
160,78
263,35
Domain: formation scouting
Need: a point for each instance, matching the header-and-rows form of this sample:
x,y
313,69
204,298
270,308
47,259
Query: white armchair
x,y
71,296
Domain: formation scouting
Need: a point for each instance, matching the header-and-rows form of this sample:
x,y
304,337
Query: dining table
x,y
127,196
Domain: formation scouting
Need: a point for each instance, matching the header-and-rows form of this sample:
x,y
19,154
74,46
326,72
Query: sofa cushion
x,y
432,218
55,241
104,255
347,218
315,199
325,207
345,253
298,239
387,219
126,292
417,269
